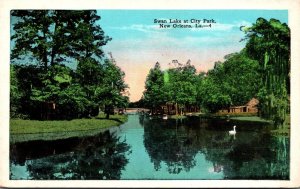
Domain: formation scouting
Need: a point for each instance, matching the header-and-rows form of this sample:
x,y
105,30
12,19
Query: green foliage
x,y
231,83
15,94
153,95
89,72
54,38
73,102
77,94
212,96
269,43
185,94
242,79
55,79
111,93
177,85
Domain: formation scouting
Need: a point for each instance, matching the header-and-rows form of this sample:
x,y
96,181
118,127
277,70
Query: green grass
x,y
26,130
250,118
177,116
243,114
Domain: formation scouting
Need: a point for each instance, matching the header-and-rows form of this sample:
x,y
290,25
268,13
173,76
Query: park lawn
x,y
26,130
250,118
177,116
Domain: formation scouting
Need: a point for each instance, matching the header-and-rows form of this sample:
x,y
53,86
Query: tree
x,y
72,103
153,96
90,76
176,86
241,79
28,77
15,93
269,43
212,96
53,36
111,93
182,86
32,34
231,83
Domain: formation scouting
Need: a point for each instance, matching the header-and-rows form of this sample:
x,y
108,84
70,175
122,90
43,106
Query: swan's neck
x,y
234,129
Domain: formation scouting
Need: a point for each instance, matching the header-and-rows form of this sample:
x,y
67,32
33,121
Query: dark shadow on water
x,y
98,157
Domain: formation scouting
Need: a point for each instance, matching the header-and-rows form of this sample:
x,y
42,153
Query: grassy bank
x,y
26,130
250,118
177,116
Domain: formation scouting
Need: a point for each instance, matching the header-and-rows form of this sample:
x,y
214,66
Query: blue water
x,y
153,148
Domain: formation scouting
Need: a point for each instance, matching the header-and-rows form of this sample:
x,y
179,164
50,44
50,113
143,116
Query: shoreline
x,y
29,130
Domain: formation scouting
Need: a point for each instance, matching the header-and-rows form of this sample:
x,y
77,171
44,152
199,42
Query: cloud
x,y
140,27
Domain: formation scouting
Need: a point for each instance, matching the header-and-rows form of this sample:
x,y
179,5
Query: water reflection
x,y
192,148
166,143
250,154
99,157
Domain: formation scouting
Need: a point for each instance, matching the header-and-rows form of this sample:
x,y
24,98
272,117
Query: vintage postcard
x,y
129,94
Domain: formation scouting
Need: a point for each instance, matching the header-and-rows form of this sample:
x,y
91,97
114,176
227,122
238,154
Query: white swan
x,y
165,117
233,132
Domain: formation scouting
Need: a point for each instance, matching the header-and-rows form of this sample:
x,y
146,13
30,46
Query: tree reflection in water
x,y
251,154
98,157
169,143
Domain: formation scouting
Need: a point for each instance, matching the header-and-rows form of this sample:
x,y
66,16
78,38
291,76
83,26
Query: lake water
x,y
153,148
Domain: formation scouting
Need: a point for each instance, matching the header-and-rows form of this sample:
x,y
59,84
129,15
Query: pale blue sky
x,y
138,43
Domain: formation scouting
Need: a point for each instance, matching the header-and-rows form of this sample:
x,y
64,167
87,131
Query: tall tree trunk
x,y
107,111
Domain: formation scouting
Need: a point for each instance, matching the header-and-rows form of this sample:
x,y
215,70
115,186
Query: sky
x,y
138,42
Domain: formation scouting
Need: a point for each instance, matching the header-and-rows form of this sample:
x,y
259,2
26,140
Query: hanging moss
x,y
269,43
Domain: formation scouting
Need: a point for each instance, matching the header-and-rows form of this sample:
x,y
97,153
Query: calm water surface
x,y
153,148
